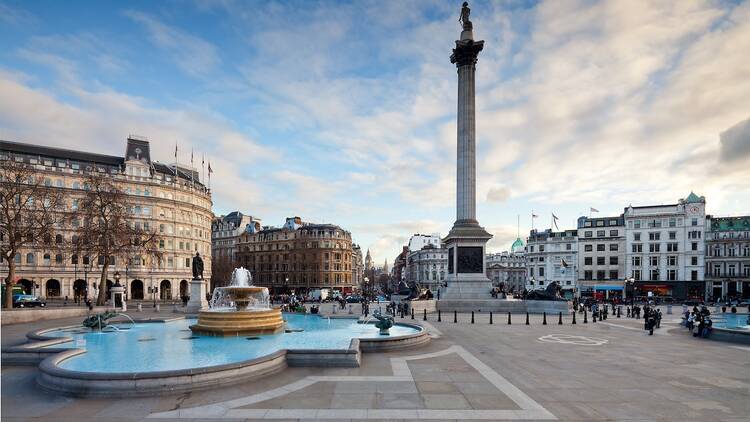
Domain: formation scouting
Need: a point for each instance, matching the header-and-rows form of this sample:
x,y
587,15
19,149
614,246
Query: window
x,y
654,236
74,259
531,248
613,275
672,222
694,222
600,223
637,237
568,246
653,261
671,247
637,275
672,235
653,247
600,275
672,260
541,248
612,260
637,224
587,233
29,258
187,262
541,271
637,247
588,248
587,260
601,247
600,260
46,259
588,275
694,275
654,275
613,233
58,259
671,275
613,247
694,246
693,260
601,233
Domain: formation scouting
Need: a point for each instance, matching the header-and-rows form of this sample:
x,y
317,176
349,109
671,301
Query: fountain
x,y
239,309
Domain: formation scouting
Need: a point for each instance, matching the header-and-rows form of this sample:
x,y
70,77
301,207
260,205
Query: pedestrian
x,y
628,309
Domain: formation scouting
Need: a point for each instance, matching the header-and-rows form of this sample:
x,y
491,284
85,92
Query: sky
x,y
345,113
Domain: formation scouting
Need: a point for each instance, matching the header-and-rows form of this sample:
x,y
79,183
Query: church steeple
x,y
368,261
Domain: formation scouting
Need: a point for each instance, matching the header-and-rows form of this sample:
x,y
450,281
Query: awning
x,y
607,287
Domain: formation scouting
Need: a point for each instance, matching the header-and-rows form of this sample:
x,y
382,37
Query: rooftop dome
x,y
517,246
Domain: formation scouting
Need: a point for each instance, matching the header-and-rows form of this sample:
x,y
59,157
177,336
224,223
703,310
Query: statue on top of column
x,y
464,18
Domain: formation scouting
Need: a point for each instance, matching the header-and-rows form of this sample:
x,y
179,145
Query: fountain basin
x,y
239,323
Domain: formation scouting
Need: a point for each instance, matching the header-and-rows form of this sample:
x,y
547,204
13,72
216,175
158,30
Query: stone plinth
x,y
197,296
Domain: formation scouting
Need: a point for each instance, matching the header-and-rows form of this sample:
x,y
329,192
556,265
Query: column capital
x,y
466,52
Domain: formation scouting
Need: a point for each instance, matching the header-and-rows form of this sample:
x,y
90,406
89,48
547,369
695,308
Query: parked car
x,y
354,299
28,301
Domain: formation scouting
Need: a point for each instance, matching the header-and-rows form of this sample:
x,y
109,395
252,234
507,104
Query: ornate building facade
x,y
169,199
225,234
299,257
509,267
728,257
427,267
552,256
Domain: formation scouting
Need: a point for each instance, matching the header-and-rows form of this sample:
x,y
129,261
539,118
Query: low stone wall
x,y
420,305
18,316
733,336
99,384
350,358
388,344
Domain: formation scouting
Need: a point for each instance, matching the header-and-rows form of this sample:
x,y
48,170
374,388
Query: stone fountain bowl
x,y
242,296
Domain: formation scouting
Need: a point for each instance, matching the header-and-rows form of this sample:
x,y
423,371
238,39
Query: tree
x,y
31,212
108,228
221,270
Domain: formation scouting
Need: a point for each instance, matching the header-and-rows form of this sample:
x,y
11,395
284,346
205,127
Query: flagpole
x,y
203,168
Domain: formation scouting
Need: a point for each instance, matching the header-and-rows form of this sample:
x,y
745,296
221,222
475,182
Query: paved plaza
x,y
610,370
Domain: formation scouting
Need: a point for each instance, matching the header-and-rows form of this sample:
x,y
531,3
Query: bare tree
x,y
31,211
221,270
109,229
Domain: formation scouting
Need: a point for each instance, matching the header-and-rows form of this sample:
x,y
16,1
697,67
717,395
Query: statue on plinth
x,y
464,18
197,267
553,291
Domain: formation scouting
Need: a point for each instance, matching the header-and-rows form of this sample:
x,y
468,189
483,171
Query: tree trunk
x,y
8,304
101,299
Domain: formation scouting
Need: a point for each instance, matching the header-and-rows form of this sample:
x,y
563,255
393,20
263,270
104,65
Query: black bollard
x,y
527,318
544,321
455,317
618,312
559,320
585,319
424,317
508,317
472,317
574,319
593,317
490,318
440,319
412,313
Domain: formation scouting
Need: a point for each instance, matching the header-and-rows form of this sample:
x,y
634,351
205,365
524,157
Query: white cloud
x,y
194,55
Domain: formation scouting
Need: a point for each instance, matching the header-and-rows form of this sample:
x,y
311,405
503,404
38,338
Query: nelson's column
x,y
467,281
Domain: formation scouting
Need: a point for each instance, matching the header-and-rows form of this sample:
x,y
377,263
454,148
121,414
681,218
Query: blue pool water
x,y
167,346
733,321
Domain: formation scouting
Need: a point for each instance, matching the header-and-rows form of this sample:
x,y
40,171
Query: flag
x,y
564,264
554,221
534,215
594,209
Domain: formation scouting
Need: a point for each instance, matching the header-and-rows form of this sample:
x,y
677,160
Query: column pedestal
x,y
197,300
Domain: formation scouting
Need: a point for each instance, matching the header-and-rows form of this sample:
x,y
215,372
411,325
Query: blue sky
x,y
345,112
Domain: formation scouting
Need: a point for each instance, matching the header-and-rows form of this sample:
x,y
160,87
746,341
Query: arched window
x,y
46,259
58,259
17,258
58,239
76,185
74,259
29,258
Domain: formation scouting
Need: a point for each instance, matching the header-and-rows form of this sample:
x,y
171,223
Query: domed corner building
x,y
168,198
509,267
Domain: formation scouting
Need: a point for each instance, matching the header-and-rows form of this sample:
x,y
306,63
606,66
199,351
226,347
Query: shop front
x,y
678,290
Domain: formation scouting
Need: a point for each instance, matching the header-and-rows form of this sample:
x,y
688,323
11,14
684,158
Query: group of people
x,y
698,321
651,318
